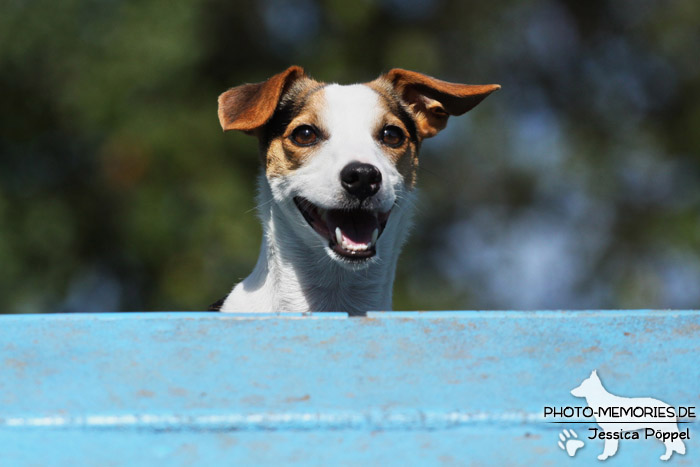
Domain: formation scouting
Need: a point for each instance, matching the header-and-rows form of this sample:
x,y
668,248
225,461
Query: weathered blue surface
x,y
392,388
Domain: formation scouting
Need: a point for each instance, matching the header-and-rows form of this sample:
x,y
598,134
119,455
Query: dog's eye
x,y
304,135
392,136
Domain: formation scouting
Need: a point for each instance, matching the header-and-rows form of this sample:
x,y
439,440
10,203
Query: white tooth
x,y
338,236
375,235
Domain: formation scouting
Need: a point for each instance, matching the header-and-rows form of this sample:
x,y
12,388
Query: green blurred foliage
x,y
575,186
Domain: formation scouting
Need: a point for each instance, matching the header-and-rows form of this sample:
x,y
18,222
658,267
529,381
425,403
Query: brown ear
x,y
433,101
250,106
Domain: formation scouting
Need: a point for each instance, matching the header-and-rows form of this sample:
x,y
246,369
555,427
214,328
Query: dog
x,y
604,404
336,193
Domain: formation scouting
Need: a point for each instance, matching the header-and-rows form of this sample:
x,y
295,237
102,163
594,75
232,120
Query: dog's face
x,y
340,159
588,386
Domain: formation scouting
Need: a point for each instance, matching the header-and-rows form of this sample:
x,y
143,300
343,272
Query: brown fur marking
x,y
433,101
304,102
250,106
405,157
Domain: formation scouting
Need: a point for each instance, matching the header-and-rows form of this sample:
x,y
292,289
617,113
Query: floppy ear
x,y
433,101
250,106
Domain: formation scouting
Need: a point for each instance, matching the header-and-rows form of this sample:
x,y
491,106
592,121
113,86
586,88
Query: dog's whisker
x,y
259,206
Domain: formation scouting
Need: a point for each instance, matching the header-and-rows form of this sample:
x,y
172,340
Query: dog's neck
x,y
289,276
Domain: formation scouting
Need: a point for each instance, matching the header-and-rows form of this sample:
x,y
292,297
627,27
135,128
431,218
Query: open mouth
x,y
351,233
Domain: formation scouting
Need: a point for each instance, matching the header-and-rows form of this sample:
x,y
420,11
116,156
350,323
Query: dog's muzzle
x,y
351,233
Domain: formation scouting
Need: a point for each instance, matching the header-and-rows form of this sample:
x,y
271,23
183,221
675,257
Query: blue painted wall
x,y
454,388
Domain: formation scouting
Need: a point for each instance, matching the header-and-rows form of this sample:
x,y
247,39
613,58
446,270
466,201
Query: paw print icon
x,y
569,442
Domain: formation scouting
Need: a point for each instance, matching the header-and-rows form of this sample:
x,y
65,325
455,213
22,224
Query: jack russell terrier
x,y
336,195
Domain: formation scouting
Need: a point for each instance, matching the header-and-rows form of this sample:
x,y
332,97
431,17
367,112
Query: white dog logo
x,y
608,407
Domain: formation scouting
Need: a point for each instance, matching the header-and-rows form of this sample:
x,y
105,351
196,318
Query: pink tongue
x,y
356,226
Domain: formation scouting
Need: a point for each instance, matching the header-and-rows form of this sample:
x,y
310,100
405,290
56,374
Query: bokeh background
x,y
575,186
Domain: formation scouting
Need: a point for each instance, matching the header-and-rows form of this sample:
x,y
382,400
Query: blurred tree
x,y
575,186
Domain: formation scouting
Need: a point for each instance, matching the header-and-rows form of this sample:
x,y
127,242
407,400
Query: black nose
x,y
361,180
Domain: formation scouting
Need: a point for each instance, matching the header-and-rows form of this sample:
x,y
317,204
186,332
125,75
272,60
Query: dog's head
x,y
338,159
588,386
